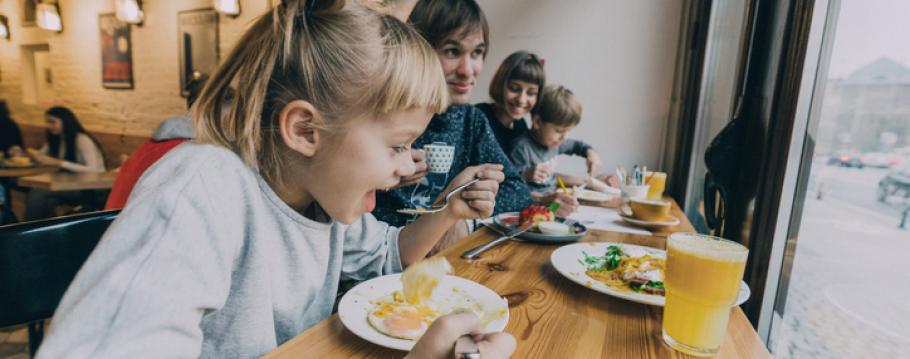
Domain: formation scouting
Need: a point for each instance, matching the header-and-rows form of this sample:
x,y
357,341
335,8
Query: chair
x,y
38,260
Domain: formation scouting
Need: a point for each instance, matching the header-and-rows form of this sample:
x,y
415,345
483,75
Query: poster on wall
x,y
116,53
197,32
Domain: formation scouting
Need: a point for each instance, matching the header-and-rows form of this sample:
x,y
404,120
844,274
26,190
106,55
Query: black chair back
x,y
39,259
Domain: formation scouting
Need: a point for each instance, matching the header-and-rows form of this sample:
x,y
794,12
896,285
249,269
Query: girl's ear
x,y
299,123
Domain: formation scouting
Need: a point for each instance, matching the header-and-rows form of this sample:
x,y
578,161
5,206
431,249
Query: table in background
x,y
69,181
13,172
549,315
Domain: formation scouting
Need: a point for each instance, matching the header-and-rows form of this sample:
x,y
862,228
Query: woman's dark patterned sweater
x,y
466,128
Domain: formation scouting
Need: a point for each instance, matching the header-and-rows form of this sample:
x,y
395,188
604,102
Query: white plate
x,y
567,261
650,224
593,196
355,306
509,220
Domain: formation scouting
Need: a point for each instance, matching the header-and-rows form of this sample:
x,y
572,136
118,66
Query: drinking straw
x,y
561,185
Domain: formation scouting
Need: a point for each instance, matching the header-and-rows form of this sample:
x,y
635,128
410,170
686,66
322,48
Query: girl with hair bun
x,y
234,243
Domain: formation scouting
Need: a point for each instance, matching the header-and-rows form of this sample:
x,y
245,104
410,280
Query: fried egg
x,y
399,319
407,314
394,316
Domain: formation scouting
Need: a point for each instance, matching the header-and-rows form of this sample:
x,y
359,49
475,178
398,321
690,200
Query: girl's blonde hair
x,y
344,59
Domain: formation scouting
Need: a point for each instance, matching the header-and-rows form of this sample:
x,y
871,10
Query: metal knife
x,y
473,253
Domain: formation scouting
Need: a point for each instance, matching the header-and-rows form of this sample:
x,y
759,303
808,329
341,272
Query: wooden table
x,y
68,181
25,171
549,315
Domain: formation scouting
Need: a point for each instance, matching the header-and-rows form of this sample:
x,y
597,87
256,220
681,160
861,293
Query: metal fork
x,y
439,206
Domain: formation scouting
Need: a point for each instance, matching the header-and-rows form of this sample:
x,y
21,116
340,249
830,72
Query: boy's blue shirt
x,y
466,128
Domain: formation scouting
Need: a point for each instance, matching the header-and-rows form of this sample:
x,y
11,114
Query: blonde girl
x,y
237,242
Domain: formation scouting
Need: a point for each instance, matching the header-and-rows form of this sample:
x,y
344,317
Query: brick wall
x,y
75,58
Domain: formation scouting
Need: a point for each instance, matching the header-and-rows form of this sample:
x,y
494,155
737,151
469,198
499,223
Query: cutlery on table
x,y
439,206
473,253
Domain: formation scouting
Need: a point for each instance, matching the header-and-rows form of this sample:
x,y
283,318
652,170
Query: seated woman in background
x,y
68,145
10,136
10,145
514,91
72,149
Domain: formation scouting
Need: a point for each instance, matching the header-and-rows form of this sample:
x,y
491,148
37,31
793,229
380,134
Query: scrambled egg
x,y
632,274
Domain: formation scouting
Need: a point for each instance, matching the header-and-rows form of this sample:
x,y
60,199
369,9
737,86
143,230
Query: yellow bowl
x,y
649,210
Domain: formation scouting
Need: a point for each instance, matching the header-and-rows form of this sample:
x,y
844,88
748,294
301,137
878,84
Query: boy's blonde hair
x,y
344,59
558,105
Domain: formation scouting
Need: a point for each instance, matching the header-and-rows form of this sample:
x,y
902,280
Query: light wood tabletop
x,y
68,181
549,315
25,171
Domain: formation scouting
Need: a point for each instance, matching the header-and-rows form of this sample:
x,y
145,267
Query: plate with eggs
x,y
626,271
395,310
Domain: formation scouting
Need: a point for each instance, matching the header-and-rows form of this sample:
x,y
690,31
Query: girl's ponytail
x,y
316,50
344,59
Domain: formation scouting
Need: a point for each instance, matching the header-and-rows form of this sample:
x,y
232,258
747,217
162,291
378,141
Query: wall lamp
x,y
48,16
4,27
227,7
129,11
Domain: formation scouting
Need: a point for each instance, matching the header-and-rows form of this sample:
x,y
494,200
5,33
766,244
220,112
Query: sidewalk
x,y
849,286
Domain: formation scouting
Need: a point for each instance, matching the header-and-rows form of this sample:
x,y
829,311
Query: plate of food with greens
x,y
626,271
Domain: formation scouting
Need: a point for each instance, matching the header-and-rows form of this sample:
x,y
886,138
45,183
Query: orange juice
x,y
703,276
657,181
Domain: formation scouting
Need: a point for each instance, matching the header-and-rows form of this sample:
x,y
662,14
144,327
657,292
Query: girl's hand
x,y
439,340
593,161
420,161
44,159
478,200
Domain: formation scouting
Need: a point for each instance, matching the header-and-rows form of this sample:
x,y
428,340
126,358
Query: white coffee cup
x,y
636,192
439,157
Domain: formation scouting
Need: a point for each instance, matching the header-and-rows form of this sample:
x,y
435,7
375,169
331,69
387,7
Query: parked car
x,y
880,160
895,184
846,159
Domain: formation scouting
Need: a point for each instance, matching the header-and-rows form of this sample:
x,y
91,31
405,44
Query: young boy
x,y
558,111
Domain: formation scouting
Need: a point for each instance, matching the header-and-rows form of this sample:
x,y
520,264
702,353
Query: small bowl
x,y
552,228
649,210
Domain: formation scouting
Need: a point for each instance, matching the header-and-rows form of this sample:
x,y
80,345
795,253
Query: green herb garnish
x,y
639,287
608,261
658,285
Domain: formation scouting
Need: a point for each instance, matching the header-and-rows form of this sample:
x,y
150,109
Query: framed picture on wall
x,y
116,53
28,12
197,32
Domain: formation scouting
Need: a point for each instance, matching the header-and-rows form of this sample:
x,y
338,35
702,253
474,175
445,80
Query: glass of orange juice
x,y
657,181
703,276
